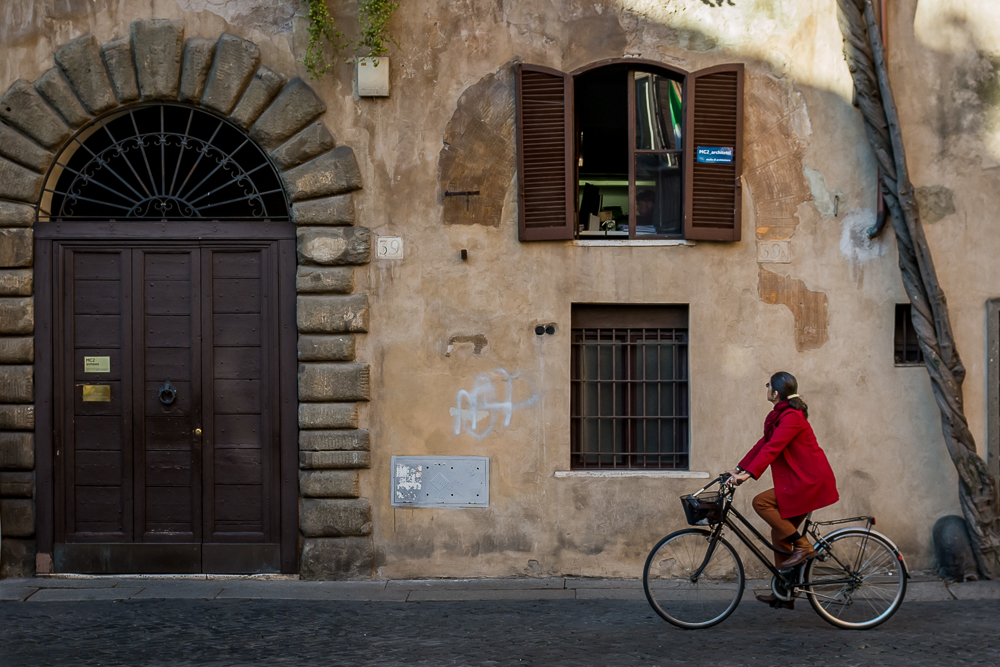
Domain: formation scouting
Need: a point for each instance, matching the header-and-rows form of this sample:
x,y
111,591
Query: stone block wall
x,y
17,392
335,522
157,62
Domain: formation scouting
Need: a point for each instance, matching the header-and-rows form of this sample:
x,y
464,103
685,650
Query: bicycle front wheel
x,y
689,582
858,583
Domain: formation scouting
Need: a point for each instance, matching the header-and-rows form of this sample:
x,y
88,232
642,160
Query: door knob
x,y
197,431
168,393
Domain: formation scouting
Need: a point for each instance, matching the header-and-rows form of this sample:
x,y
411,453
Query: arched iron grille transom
x,y
162,161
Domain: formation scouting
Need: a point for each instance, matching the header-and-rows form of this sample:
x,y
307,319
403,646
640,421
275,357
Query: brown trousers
x,y
766,507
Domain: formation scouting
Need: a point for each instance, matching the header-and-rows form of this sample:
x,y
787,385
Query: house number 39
x,y
778,252
389,247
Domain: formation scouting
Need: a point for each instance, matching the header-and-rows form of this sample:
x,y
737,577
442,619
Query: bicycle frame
x,y
809,528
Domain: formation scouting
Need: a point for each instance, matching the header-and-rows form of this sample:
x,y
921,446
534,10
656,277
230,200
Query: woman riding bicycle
x,y
803,479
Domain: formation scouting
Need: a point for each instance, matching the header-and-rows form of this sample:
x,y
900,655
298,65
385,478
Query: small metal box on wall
x,y
440,481
371,76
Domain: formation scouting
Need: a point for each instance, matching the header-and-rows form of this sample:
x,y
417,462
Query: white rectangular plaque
x,y
440,481
389,247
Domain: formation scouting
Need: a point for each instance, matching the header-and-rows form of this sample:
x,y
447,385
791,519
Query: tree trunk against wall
x,y
978,491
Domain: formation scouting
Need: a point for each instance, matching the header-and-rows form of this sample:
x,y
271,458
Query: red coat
x,y
803,478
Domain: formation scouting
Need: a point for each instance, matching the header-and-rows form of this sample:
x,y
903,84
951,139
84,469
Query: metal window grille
x,y
629,398
162,161
906,349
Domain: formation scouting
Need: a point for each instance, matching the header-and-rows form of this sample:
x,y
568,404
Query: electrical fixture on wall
x,y
545,329
371,76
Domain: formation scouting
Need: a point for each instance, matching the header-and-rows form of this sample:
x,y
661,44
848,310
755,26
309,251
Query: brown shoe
x,y
799,556
775,602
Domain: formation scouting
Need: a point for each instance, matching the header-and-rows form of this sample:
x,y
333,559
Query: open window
x,y
629,150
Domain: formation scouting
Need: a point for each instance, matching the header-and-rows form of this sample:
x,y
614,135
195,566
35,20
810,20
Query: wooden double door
x,y
166,407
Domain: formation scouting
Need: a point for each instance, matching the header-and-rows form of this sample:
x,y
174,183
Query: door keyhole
x,y
168,393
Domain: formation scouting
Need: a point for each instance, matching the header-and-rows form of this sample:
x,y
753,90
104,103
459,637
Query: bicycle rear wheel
x,y
858,583
689,586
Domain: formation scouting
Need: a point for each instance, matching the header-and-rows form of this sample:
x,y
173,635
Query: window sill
x,y
676,474
631,242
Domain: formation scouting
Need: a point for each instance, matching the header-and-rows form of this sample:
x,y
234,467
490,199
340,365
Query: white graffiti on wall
x,y
477,409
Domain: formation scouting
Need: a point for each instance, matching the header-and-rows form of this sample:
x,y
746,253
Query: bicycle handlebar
x,y
722,480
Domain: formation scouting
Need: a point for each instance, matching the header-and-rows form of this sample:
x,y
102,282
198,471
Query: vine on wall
x,y
324,36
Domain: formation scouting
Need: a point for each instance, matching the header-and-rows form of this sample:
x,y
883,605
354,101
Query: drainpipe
x,y
880,216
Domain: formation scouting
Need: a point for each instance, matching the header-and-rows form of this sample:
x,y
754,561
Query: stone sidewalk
x,y
271,587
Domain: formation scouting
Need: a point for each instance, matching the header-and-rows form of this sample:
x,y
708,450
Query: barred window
x,y
629,399
906,349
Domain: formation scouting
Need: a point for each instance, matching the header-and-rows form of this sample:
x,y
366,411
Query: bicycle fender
x,y
895,549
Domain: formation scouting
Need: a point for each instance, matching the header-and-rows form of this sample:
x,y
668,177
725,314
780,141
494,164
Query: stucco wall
x,y
805,154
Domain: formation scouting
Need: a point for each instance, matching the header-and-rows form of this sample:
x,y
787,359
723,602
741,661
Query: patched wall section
x,y
156,62
812,321
478,154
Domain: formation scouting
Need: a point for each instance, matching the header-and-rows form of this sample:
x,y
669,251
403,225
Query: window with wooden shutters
x,y
715,119
545,153
629,149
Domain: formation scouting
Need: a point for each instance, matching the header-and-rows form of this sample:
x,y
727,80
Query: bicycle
x,y
694,579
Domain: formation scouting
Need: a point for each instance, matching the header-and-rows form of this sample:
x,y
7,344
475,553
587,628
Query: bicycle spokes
x,y
692,579
857,582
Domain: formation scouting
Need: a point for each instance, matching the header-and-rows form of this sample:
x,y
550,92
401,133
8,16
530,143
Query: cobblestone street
x,y
474,632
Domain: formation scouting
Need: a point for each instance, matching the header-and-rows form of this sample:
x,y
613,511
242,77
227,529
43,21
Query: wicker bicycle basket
x,y
707,507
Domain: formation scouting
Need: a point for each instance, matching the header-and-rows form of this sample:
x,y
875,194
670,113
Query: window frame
x,y
623,322
712,197
634,65
903,319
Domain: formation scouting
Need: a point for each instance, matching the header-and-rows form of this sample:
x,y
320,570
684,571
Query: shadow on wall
x,y
478,154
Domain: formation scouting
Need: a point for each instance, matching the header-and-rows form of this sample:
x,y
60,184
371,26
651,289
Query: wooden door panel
x,y
97,330
97,473
169,362
237,431
97,297
238,508
168,467
106,265
236,330
238,407
98,511
235,465
168,512
100,468
237,363
168,297
168,266
135,470
241,397
236,264
166,433
168,331
236,295
167,464
98,433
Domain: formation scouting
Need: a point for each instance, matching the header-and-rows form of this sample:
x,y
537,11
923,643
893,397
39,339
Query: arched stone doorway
x,y
169,164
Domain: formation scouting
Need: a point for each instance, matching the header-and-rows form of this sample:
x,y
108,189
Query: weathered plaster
x,y
809,308
798,115
478,153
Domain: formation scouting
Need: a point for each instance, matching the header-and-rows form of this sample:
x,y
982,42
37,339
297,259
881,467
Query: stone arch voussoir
x,y
284,117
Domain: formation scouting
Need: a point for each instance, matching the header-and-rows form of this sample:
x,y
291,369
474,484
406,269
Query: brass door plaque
x,y
96,393
97,364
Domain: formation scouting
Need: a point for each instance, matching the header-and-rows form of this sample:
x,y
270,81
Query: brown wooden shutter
x,y
545,168
712,202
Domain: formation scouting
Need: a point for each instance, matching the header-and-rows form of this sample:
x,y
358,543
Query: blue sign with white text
x,y
715,154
